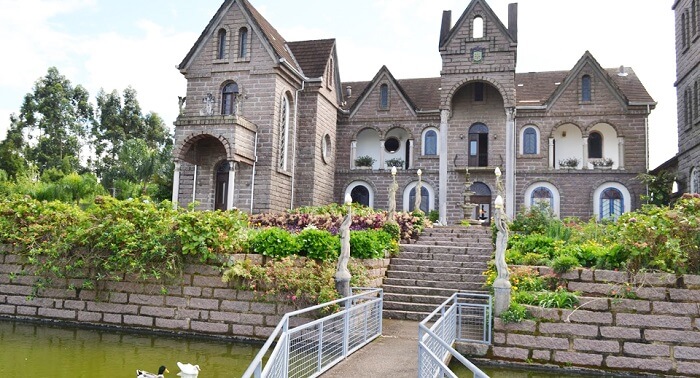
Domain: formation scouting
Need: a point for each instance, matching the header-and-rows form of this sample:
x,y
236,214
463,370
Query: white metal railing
x,y
307,348
463,317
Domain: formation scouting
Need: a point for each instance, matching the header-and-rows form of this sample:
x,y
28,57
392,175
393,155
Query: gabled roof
x,y
312,56
542,88
269,33
491,15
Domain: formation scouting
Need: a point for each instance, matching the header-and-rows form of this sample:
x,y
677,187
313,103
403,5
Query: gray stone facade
x,y
293,135
688,90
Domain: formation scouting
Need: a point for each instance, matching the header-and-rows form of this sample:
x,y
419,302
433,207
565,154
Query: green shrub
x,y
515,313
393,230
536,219
535,243
318,244
564,263
369,244
433,216
559,298
274,242
533,259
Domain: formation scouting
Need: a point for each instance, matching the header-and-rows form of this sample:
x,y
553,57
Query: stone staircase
x,y
444,260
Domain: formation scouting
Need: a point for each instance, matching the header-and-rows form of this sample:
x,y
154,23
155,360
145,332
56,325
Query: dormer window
x,y
242,43
221,46
586,88
384,97
478,27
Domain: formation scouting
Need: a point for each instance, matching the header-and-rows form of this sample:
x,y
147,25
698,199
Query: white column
x,y
231,184
442,197
551,153
410,153
585,153
381,154
176,184
353,153
621,153
510,162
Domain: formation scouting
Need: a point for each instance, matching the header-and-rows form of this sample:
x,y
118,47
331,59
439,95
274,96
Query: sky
x,y
115,44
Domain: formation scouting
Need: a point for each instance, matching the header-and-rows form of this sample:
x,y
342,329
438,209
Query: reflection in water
x,y
41,351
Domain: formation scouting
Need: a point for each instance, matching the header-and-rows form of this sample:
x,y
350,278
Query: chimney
x,y
513,20
446,26
348,91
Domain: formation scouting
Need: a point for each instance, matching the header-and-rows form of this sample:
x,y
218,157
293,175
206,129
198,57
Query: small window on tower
x,y
478,92
478,27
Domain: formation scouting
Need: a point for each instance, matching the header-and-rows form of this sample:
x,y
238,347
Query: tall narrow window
x,y
329,80
478,145
384,97
478,92
229,96
530,141
284,133
696,94
684,30
242,43
595,145
586,88
694,17
612,204
688,104
425,199
478,27
695,180
430,142
221,46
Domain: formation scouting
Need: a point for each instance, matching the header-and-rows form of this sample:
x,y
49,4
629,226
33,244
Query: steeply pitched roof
x,y
312,56
273,37
463,18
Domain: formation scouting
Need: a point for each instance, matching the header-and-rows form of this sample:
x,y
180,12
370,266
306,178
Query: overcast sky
x,y
112,44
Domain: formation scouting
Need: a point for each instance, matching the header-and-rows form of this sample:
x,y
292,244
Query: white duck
x,y
144,374
188,370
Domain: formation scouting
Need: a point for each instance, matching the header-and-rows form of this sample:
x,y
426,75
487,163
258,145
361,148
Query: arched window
x,y
284,133
586,88
478,27
384,97
242,43
612,204
330,74
228,99
595,145
542,196
430,142
426,198
221,191
221,46
695,180
478,145
361,192
482,199
530,145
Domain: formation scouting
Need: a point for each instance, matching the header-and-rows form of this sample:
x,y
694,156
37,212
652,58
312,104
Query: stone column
x,y
232,165
442,197
353,153
510,162
381,154
621,153
584,163
410,153
176,184
551,153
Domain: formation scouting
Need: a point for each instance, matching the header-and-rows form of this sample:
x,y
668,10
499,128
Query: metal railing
x,y
464,317
307,348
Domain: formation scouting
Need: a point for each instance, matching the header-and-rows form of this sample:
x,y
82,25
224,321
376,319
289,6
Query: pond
x,y
34,350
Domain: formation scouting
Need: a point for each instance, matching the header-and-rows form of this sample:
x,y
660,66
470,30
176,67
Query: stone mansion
x,y
268,125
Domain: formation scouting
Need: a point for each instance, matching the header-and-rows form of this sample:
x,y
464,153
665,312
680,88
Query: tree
x,y
57,115
12,160
141,170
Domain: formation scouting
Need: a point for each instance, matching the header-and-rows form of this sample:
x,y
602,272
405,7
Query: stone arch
x,y
393,127
508,99
564,122
363,128
591,125
193,138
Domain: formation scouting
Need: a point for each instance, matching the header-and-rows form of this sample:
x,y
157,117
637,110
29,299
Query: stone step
x,y
425,308
435,300
465,286
451,278
443,257
457,230
429,268
478,238
429,291
405,315
401,263
479,250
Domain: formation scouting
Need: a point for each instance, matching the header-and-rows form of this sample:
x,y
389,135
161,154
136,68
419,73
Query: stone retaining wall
x,y
656,332
200,304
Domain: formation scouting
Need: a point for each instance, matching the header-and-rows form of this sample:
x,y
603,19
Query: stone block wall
x,y
656,332
200,304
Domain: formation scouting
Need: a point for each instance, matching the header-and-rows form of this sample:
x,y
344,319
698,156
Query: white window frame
x,y
626,197
407,195
354,184
437,141
537,140
556,198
